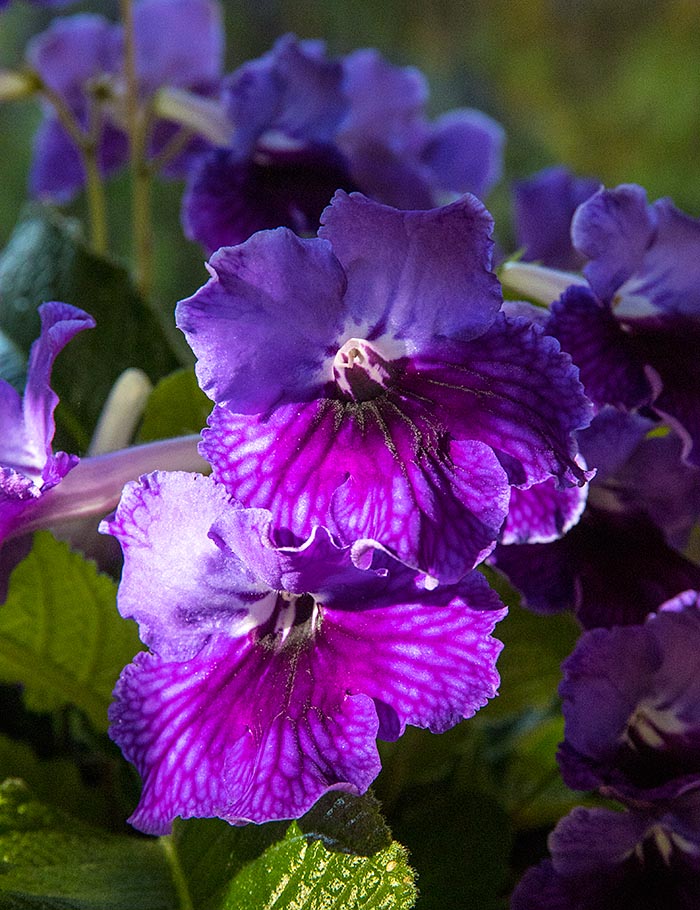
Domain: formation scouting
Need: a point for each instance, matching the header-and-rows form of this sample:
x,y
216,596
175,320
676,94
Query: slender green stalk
x,y
87,145
179,880
137,126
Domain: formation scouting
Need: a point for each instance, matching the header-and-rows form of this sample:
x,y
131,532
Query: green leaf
x,y
176,407
46,259
49,861
532,788
460,843
530,663
60,634
339,856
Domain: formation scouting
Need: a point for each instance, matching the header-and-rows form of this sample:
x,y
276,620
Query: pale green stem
x,y
87,144
137,127
94,486
536,282
179,880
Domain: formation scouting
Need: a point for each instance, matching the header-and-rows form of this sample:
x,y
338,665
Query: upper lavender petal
x,y
264,325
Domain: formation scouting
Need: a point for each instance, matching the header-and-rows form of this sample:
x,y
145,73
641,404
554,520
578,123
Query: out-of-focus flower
x,y
368,382
273,669
635,334
632,710
28,466
304,125
80,61
632,732
543,206
606,860
623,556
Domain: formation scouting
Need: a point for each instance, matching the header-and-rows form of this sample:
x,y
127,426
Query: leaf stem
x,y
179,880
137,124
87,145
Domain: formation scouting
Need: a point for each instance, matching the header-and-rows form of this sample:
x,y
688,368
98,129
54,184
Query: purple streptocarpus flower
x,y
28,466
543,206
304,125
79,60
606,860
273,669
635,333
368,382
631,709
622,559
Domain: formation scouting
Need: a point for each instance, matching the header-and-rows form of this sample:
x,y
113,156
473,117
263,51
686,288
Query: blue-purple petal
x,y
544,206
415,275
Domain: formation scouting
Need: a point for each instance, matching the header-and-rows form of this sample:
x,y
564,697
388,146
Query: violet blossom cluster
x,y
303,125
630,325
383,423
633,734
81,65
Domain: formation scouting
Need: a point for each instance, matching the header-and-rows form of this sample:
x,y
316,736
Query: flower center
x,y
360,371
294,619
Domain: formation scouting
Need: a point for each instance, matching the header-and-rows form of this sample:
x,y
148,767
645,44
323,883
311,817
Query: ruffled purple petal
x,y
241,732
544,205
196,587
465,152
542,513
630,701
613,230
436,640
294,90
643,258
512,389
60,322
263,326
228,198
612,370
415,275
178,43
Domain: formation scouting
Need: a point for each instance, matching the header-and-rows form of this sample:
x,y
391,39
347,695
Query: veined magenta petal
x,y
241,732
542,513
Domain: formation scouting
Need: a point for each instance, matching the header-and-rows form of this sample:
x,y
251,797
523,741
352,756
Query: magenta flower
x,y
273,669
368,382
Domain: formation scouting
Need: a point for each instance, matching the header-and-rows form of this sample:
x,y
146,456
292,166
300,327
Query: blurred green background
x,y
612,89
